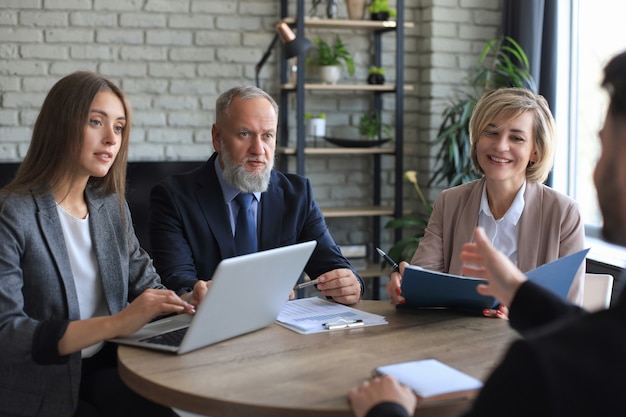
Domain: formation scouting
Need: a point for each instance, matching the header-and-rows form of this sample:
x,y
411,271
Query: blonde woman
x,y
512,137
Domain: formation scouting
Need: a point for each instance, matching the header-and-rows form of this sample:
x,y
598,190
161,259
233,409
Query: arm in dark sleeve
x,y
172,254
327,255
45,348
533,306
517,387
387,409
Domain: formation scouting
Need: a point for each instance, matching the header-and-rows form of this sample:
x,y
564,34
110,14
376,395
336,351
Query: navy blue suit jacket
x,y
190,229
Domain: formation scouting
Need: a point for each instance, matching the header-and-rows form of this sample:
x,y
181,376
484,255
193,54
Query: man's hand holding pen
x,y
340,284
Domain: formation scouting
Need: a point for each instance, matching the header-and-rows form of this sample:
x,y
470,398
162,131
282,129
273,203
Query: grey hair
x,y
244,92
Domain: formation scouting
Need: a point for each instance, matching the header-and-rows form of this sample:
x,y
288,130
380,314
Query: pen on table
x,y
344,324
306,284
394,266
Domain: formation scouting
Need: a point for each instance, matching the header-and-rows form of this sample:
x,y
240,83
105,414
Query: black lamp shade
x,y
294,47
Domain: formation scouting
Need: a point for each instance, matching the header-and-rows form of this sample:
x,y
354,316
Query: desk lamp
x,y
293,46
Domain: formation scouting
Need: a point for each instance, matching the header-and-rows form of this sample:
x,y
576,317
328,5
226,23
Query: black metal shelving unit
x,y
300,152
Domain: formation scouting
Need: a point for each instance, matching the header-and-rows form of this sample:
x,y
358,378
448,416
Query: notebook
x,y
432,380
247,294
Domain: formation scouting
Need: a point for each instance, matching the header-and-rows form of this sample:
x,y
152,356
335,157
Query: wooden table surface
x,y
277,372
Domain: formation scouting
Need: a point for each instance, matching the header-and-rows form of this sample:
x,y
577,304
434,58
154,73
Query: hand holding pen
x,y
307,284
394,285
394,266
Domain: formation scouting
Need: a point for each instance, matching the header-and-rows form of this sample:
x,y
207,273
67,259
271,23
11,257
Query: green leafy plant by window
x,y
326,54
502,63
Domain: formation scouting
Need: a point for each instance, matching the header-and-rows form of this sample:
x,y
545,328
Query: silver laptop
x,y
246,294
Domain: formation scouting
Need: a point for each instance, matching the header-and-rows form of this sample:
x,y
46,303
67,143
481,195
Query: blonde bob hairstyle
x,y
508,104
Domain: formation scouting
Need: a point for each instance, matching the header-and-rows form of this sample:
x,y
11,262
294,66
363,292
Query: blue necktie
x,y
245,229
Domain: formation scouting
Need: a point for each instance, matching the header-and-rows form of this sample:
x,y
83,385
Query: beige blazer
x,y
550,228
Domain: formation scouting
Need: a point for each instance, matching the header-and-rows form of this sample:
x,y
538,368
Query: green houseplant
x,y
331,55
380,10
502,63
376,75
315,124
371,126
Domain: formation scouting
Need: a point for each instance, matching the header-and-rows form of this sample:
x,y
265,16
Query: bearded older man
x,y
194,216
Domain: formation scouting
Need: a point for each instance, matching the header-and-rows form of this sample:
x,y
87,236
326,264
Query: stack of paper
x,y
313,315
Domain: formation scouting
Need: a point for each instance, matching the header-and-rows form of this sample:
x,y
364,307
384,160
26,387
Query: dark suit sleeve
x,y
172,254
387,409
517,387
327,255
533,306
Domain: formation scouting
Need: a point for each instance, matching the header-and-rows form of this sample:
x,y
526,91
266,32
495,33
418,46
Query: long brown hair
x,y
57,138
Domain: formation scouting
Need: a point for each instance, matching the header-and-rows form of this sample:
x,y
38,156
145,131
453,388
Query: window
x,y
590,33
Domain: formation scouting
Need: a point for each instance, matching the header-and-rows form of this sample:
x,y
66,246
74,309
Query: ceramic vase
x,y
356,9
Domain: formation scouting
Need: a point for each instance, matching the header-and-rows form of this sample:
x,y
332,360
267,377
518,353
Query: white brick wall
x,y
174,57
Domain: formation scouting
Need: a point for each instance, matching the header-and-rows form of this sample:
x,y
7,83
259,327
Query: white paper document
x,y
314,315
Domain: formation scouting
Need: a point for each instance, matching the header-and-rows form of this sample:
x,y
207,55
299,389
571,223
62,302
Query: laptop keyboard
x,y
171,338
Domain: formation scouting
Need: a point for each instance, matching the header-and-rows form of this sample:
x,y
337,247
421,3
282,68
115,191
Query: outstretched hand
x,y
482,260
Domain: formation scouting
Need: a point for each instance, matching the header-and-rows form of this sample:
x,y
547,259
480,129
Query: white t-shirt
x,y
85,270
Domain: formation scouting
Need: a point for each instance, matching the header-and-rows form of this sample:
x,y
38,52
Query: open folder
x,y
424,288
314,315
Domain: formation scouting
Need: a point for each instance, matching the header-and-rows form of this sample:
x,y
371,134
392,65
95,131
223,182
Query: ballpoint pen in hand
x,y
307,284
394,266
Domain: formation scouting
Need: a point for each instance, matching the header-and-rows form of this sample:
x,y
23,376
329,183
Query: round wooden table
x,y
277,372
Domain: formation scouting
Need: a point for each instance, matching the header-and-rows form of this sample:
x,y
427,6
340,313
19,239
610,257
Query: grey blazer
x,y
36,285
550,228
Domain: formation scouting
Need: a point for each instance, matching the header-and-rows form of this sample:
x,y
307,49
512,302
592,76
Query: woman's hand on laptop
x,y
148,305
197,295
340,284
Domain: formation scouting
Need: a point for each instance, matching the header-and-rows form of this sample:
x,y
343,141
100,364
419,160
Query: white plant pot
x,y
316,128
329,74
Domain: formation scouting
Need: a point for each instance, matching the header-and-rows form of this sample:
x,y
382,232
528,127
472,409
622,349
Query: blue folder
x,y
424,288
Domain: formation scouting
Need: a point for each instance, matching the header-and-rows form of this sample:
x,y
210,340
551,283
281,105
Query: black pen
x,y
394,266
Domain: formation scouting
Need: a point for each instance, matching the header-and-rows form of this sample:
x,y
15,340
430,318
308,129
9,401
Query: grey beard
x,y
238,177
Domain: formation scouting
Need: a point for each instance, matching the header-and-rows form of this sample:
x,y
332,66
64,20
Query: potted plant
x,y
371,127
502,63
380,10
356,9
329,59
376,75
316,124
